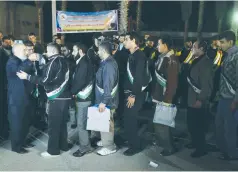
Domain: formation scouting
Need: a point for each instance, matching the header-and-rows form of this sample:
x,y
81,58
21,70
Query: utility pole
x,y
53,4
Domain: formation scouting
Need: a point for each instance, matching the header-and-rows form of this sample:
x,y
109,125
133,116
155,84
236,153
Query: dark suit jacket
x,y
16,90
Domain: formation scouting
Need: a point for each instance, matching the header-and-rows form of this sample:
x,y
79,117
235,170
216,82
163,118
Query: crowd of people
x,y
122,73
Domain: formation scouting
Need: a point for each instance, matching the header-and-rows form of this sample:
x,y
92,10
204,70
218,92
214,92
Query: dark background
x,y
156,15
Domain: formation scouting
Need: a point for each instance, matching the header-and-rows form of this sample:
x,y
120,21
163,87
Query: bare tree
x,y
39,5
186,9
200,18
124,5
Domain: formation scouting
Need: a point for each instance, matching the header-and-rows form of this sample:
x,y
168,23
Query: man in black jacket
x,y
92,52
82,91
5,53
37,46
55,81
137,80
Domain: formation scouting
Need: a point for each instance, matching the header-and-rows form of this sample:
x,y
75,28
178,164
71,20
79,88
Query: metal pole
x,y
53,2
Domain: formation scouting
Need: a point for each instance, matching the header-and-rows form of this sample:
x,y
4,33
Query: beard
x,y
22,58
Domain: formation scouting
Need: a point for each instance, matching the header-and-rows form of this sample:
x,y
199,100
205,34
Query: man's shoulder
x,y
206,62
139,55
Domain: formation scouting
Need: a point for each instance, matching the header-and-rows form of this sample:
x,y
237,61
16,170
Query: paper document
x,y
98,121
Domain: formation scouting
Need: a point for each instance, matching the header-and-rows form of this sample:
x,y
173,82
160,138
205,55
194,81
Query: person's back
x,y
110,66
58,68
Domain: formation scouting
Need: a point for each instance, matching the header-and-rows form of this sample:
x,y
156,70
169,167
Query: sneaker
x,y
80,153
99,143
106,151
47,155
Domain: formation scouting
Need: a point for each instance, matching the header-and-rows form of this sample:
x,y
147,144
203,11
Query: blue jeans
x,y
226,128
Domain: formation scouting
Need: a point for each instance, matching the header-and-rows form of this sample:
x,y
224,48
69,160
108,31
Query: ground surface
x,y
116,162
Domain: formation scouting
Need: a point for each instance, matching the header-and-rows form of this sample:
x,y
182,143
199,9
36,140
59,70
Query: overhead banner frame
x,y
81,22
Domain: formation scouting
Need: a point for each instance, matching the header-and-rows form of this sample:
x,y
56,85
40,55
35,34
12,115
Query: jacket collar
x,y
232,50
55,56
79,59
103,61
168,54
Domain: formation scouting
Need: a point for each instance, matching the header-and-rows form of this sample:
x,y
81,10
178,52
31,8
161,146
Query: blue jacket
x,y
107,80
16,90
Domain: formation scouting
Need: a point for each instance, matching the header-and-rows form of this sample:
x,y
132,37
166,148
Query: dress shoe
x,y
189,146
198,154
227,157
70,145
94,142
131,152
79,153
166,152
22,151
73,126
28,145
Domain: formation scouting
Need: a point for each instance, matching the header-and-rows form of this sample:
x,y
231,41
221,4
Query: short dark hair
x,y
123,34
54,46
189,40
202,44
11,37
31,34
28,43
68,46
166,39
228,35
136,36
1,32
5,38
82,47
107,46
97,35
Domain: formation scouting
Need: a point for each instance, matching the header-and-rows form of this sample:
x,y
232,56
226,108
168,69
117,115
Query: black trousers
x,y
4,123
16,116
28,117
197,127
131,125
57,126
164,136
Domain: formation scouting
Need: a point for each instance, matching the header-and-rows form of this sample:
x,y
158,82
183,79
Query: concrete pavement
x,y
10,161
115,162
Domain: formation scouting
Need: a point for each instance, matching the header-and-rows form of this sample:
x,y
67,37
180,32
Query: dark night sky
x,y
157,15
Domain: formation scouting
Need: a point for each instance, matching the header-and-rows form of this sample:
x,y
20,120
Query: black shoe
x,y
198,154
78,153
189,146
211,148
131,152
227,157
94,142
29,145
22,151
166,152
73,126
70,145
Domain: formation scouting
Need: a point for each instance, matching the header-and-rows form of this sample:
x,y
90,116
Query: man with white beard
x,y
17,98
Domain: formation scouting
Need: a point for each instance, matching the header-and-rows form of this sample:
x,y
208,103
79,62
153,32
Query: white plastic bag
x,y
165,114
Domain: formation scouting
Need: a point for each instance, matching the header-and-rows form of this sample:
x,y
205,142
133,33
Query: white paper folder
x,y
98,121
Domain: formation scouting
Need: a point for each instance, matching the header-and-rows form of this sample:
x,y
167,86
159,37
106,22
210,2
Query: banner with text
x,y
78,22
